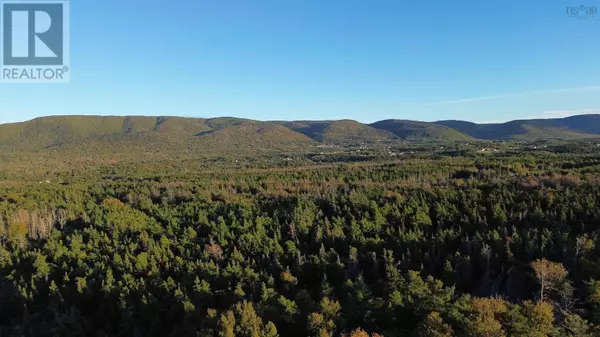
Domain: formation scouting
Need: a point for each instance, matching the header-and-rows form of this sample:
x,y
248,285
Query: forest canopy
x,y
485,246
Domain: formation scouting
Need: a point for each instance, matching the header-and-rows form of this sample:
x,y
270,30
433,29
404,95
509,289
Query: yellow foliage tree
x,y
549,274
434,326
361,333
486,316
243,321
322,323
17,228
540,318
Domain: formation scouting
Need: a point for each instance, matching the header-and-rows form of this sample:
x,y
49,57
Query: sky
x,y
480,60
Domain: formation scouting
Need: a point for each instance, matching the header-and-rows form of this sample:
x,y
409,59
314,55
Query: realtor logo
x,y
35,41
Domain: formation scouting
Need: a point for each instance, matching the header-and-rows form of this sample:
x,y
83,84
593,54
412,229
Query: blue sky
x,y
481,60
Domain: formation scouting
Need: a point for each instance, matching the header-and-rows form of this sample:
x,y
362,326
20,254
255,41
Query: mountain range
x,y
111,133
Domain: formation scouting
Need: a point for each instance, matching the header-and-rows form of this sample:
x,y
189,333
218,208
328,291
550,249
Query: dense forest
x,y
488,245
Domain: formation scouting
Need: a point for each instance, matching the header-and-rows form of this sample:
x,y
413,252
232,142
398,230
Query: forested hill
x,y
580,126
195,134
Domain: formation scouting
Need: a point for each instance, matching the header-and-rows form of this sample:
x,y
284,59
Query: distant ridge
x,y
419,130
339,132
179,134
579,126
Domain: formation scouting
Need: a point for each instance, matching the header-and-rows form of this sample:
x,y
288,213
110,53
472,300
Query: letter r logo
x,y
20,34
32,33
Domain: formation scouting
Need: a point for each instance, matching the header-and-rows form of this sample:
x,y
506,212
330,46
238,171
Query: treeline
x,y
496,247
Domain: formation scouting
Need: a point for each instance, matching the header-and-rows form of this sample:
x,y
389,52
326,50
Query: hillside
x,y
312,129
52,131
419,130
95,135
251,134
347,131
339,132
582,126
